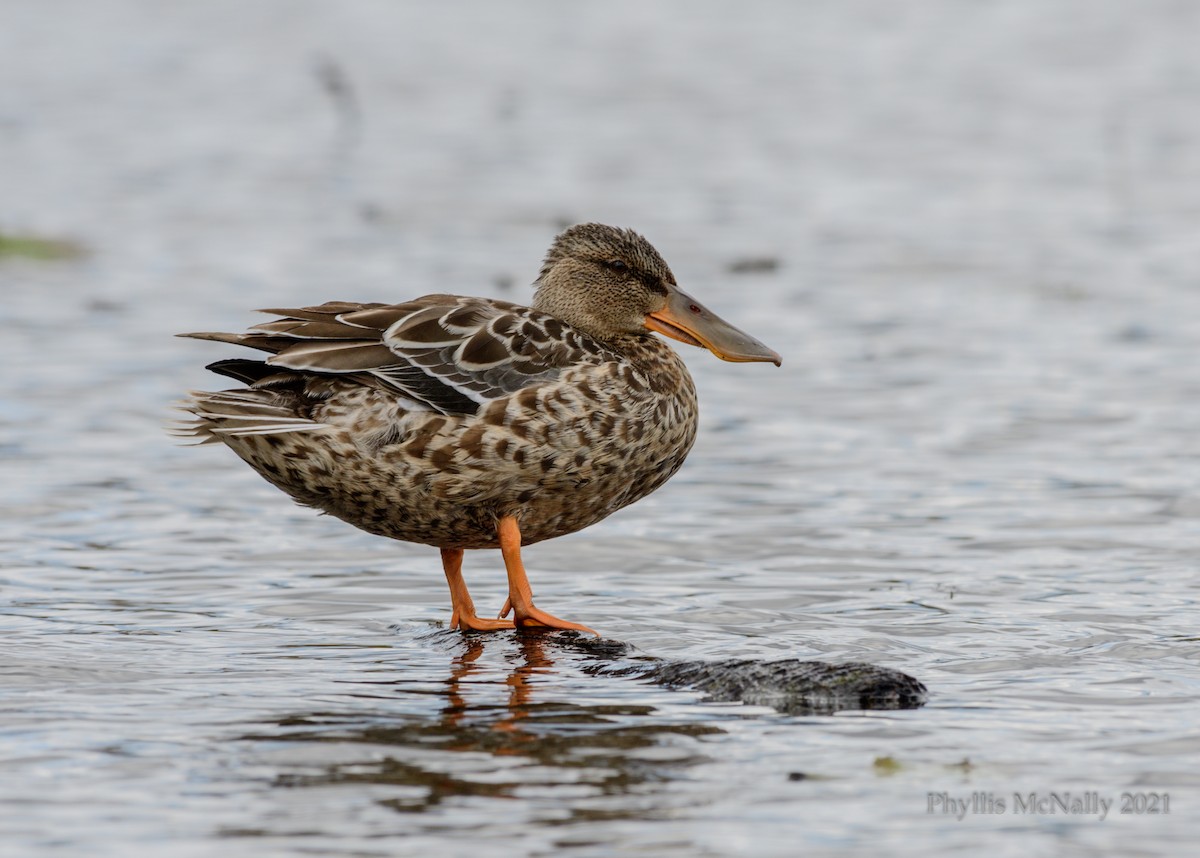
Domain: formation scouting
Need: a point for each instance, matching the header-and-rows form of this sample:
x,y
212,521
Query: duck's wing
x,y
446,353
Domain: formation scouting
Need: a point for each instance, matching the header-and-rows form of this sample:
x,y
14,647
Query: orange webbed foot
x,y
473,623
529,616
533,617
463,614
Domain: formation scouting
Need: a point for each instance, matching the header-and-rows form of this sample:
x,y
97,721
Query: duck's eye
x,y
617,265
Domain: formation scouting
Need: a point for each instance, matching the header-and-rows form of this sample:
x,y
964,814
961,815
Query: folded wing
x,y
445,353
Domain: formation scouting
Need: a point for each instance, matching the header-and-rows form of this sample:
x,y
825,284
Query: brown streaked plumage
x,y
474,423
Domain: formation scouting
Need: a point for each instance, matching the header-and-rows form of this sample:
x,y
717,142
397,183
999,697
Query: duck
x,y
475,423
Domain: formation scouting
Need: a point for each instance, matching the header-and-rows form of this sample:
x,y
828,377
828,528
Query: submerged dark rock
x,y
796,687
789,685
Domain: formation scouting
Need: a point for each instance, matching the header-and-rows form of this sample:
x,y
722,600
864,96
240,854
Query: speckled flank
x,y
560,455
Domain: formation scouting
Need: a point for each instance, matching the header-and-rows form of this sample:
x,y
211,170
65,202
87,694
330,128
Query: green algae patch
x,y
885,767
39,248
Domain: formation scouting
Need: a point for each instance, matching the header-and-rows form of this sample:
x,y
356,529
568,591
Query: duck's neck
x,y
579,308
660,364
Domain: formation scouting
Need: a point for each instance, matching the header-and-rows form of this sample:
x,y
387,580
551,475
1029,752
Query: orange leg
x,y
520,595
463,615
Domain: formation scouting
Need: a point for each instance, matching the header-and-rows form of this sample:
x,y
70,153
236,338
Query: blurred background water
x,y
971,230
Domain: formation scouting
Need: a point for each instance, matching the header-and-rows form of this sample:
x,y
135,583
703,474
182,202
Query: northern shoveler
x,y
475,423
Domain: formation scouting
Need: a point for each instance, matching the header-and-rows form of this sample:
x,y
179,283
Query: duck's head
x,y
610,282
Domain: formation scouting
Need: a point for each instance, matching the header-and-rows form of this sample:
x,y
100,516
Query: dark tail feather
x,y
254,373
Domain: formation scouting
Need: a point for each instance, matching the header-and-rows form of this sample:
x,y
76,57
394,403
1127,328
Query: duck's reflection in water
x,y
507,728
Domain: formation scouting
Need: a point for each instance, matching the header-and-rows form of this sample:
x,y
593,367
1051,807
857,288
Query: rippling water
x,y
971,231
